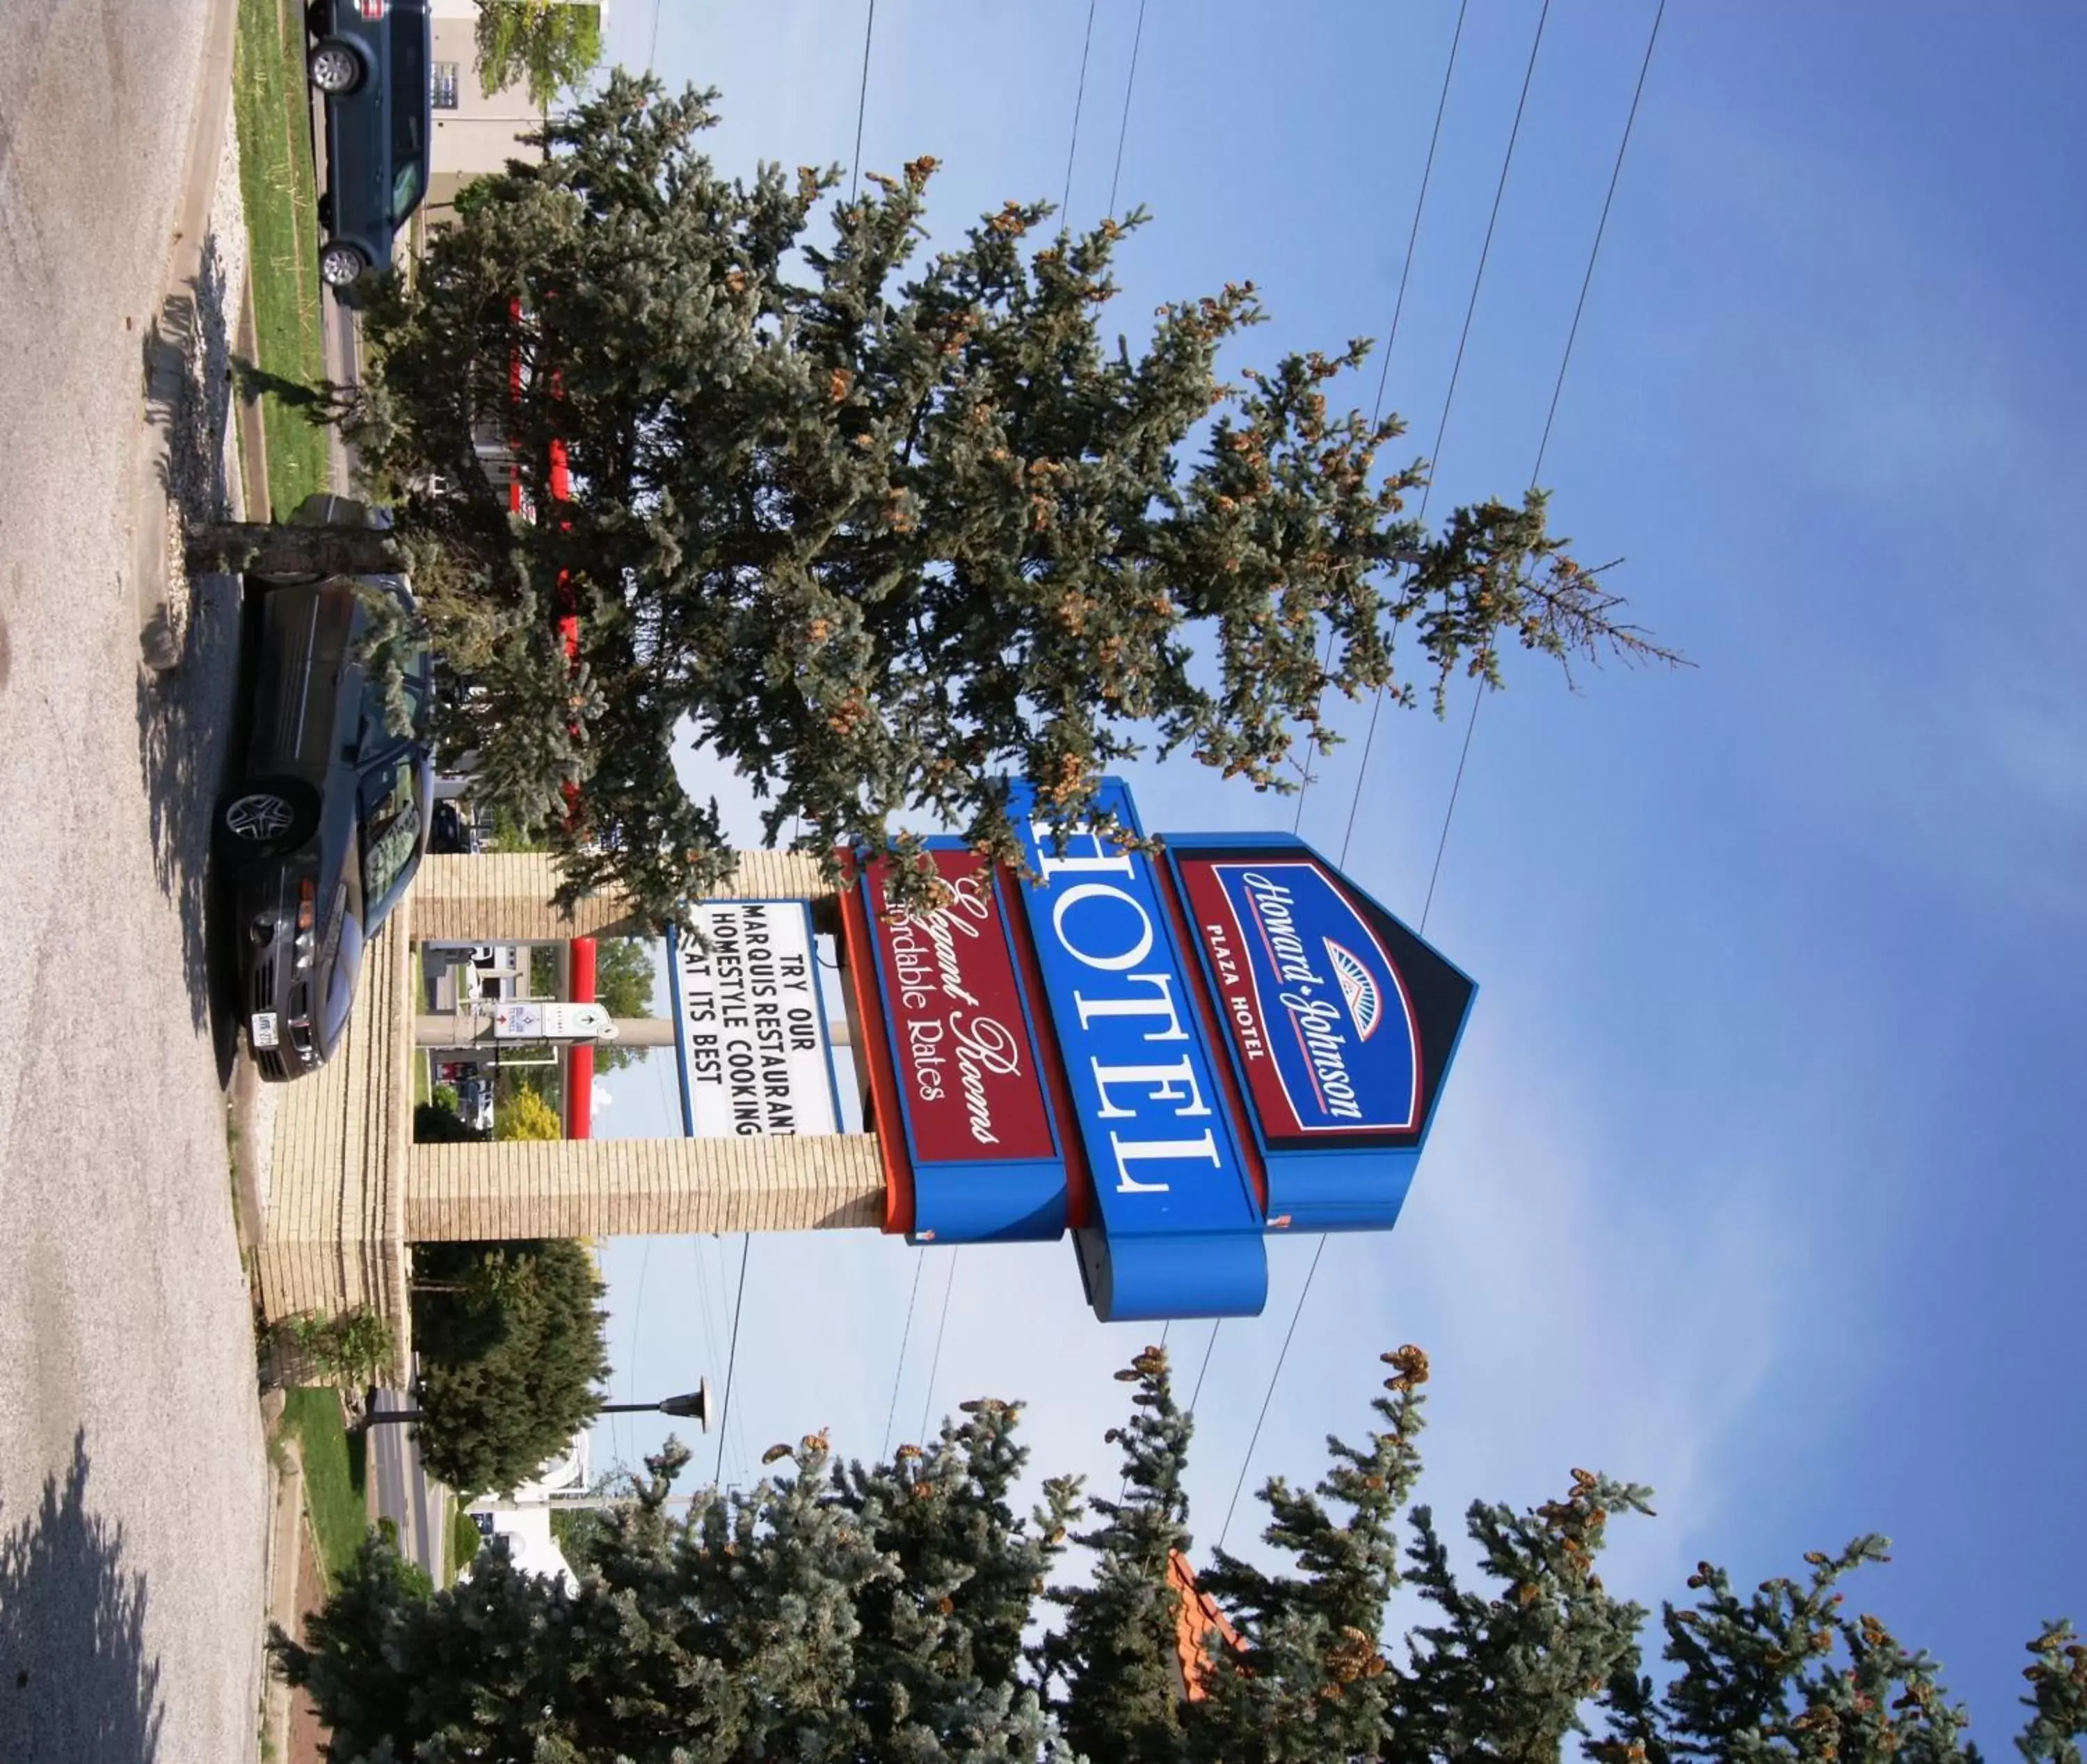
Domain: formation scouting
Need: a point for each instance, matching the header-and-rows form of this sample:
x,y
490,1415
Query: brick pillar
x,y
505,896
587,1188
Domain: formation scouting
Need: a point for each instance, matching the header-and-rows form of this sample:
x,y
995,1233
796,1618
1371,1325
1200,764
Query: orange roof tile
x,y
1199,1616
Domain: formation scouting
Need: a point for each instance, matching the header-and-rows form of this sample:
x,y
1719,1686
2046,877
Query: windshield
x,y
405,189
391,823
381,725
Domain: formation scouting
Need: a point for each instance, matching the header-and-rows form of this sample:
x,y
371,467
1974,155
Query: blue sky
x,y
1758,1178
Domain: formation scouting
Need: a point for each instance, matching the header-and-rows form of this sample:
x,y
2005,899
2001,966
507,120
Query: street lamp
x,y
690,1405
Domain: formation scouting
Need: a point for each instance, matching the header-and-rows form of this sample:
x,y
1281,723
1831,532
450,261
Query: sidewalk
x,y
288,1548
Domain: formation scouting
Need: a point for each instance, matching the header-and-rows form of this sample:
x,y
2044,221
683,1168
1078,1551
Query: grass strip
x,y
333,1476
272,110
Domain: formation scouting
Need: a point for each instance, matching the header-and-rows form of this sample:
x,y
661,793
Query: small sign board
x,y
750,1031
551,1020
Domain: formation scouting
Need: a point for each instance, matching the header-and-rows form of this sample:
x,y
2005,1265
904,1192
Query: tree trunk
x,y
269,550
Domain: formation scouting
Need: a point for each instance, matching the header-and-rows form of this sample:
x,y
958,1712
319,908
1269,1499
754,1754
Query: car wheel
x,y
336,68
341,265
318,19
266,818
326,210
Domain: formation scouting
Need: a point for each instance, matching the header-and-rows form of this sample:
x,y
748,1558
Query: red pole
x,y
579,1059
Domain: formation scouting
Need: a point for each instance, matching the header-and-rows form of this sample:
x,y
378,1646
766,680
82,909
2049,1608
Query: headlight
x,y
307,907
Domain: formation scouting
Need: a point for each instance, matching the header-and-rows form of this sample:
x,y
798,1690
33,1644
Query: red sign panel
x,y
969,1079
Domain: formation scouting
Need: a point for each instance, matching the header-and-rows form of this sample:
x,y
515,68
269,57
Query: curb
x,y
286,1549
166,348
255,491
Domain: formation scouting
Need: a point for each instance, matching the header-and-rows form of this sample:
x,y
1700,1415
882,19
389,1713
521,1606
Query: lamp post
x,y
693,1405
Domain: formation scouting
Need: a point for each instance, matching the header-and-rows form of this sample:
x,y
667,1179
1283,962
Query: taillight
x,y
371,10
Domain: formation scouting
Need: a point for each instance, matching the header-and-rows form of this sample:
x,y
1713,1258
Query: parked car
x,y
372,60
329,816
475,1103
449,834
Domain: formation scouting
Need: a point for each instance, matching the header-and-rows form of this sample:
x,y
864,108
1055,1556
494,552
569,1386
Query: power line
x,y
1079,98
1456,789
1549,417
862,98
1209,1348
732,1355
935,1365
1419,206
630,1378
1390,343
1586,281
652,48
703,1302
1122,128
739,1459
1246,1463
1601,231
899,1372
1456,372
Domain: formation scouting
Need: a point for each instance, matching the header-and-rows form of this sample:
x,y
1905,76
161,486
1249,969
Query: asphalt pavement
x,y
404,1491
133,1500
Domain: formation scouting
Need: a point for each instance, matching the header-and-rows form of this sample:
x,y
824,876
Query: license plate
x,y
263,1031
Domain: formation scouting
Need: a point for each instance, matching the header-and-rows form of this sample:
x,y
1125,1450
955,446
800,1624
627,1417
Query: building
x,y
474,135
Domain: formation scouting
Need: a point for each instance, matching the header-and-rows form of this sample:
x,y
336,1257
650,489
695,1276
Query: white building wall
x,y
477,134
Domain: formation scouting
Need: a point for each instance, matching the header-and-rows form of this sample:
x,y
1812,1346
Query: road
x,y
420,1508
132,1510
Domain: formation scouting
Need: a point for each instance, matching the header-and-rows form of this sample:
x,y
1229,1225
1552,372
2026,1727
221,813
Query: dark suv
x,y
325,825
372,60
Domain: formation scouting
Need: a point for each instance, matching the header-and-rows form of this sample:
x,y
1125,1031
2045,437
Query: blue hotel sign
x,y
1180,1228
1188,1049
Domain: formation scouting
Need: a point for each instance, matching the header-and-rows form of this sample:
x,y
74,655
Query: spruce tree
x,y
883,528
878,1613
1110,1666
939,1649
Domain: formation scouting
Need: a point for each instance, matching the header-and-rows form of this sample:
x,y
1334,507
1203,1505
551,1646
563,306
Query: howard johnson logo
x,y
1325,1027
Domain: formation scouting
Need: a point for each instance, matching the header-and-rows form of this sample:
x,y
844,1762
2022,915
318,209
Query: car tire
x,y
326,210
319,18
272,815
334,67
341,265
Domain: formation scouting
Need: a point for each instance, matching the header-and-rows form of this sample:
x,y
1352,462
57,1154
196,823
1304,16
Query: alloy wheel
x,y
259,817
335,68
340,265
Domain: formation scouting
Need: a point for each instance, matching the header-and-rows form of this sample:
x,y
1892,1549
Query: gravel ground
x,y
133,1508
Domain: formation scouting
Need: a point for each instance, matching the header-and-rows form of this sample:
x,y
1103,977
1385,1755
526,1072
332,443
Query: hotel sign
x,y
1168,1054
1146,1088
